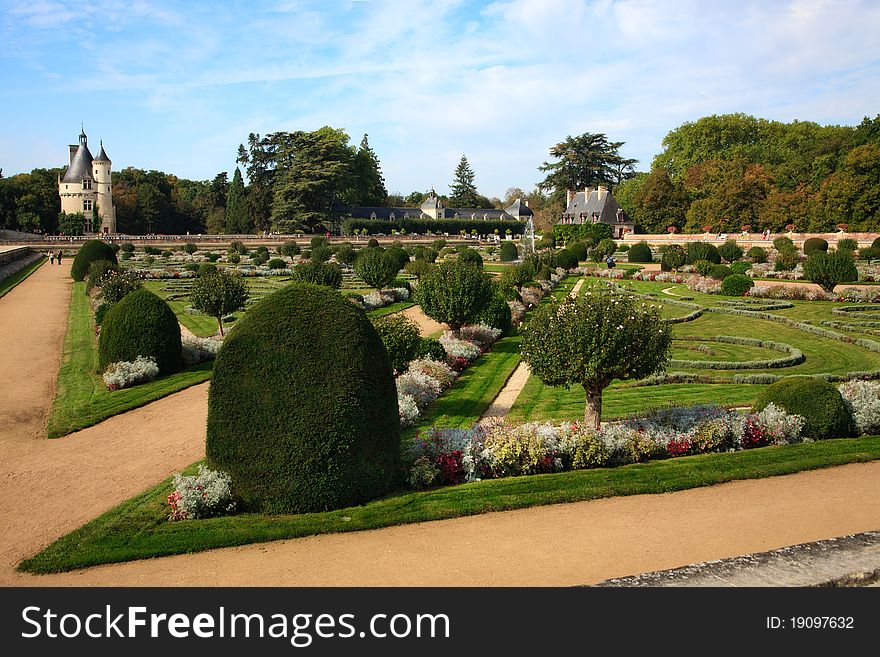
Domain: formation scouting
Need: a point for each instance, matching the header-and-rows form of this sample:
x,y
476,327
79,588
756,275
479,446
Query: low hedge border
x,y
757,304
864,311
795,355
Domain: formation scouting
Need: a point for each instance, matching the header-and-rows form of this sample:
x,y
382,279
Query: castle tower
x,y
106,220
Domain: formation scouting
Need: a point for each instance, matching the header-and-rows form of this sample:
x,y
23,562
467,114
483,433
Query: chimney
x,y
73,148
526,202
568,196
601,191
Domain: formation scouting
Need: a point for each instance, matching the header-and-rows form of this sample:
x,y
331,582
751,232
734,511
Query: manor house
x,y
86,187
433,208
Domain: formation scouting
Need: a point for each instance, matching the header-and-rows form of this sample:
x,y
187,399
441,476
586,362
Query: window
x,y
87,183
87,205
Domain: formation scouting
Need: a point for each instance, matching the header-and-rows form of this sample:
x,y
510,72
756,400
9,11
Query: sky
x,y
177,86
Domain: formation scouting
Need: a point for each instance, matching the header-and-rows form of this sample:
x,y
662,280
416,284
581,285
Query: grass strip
x,y
9,283
139,529
390,309
81,398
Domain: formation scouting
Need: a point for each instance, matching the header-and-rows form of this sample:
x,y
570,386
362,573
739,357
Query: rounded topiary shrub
x,y
302,409
702,251
141,324
640,252
579,249
720,272
876,243
757,254
736,285
818,401
673,257
88,253
508,252
496,313
813,244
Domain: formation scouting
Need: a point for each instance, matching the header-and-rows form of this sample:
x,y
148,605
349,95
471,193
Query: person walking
x,y
58,257
51,257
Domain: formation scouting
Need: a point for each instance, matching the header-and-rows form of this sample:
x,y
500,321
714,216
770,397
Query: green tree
x,y
72,223
236,206
592,340
259,159
219,294
660,203
369,184
586,160
375,269
463,191
830,269
454,293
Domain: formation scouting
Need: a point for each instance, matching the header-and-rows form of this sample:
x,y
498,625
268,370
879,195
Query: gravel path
x,y
427,326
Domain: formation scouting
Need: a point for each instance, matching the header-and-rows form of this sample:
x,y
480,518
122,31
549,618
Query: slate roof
x,y
430,203
81,166
364,212
477,213
519,209
102,155
583,205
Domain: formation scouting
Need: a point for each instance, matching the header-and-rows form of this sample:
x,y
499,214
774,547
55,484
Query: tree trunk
x,y
220,323
593,408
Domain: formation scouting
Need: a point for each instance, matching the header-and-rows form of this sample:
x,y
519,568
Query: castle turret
x,y
103,188
86,185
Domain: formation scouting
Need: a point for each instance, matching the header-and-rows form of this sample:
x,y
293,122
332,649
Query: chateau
x,y
433,208
596,206
86,187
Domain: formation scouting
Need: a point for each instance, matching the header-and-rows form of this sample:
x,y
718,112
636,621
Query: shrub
x,y
289,249
704,267
318,241
401,338
870,253
152,250
203,496
206,269
239,248
141,324
508,252
720,272
431,348
276,263
624,248
818,402
99,270
90,252
702,251
346,253
848,244
472,256
454,293
373,243
863,400
496,312
673,257
730,251
781,243
565,259
233,257
418,268
191,266
607,247
259,258
303,414
579,249
125,256
436,369
422,254
319,273
813,244
190,248
197,350
119,284
757,254
787,259
375,269
127,247
320,254
219,294
212,257
831,269
101,312
125,374
736,285
740,267
640,252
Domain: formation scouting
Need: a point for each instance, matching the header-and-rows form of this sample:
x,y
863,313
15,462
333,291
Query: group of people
x,y
54,257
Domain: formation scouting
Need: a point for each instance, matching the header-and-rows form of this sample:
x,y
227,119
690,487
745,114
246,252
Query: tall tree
x,y
236,206
314,173
463,192
584,161
259,162
369,184
220,189
661,203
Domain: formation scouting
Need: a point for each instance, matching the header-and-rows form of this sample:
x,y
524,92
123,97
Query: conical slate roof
x,y
102,155
519,209
81,167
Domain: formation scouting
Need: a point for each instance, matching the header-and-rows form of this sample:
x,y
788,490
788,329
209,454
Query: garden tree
x,y
259,162
319,273
418,268
660,203
592,340
852,194
314,172
463,191
625,194
730,251
219,190
375,269
727,194
830,269
454,293
511,194
236,206
400,336
369,184
784,206
585,161
72,223
673,257
219,294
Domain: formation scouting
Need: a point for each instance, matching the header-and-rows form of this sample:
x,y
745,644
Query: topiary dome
x,y
302,410
141,324
90,252
818,401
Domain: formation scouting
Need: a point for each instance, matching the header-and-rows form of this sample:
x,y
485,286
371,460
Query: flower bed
x,y
202,496
125,374
494,448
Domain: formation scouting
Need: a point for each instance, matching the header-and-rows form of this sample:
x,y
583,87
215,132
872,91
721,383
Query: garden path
x,y
53,486
506,398
427,326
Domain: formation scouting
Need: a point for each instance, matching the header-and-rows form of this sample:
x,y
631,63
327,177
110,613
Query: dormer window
x,y
87,183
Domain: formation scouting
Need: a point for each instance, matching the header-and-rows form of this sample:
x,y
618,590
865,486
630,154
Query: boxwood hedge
x,y
88,253
819,402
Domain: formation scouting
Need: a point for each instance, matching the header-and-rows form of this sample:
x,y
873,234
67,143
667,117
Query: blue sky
x,y
176,86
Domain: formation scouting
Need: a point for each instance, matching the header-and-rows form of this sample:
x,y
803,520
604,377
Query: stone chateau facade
x,y
86,187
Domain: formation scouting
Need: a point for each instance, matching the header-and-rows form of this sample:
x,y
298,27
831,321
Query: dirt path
x,y
427,326
558,545
52,486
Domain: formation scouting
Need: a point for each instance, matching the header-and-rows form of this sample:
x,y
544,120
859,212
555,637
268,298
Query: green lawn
x,y
139,529
7,284
81,398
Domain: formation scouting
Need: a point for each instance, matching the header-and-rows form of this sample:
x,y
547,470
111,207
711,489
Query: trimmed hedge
x,y
302,410
640,252
757,254
736,285
318,273
436,226
141,324
720,272
795,355
819,402
702,251
813,244
90,252
508,252
673,257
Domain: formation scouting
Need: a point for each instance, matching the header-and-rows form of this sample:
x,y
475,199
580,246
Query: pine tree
x,y
236,207
463,191
369,184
